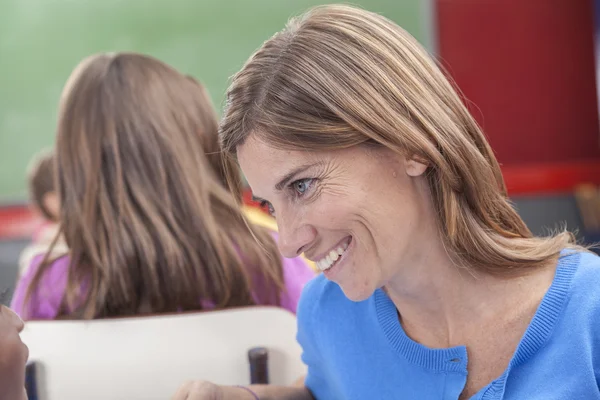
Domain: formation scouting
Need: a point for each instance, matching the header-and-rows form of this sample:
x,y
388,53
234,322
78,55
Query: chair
x,y
145,358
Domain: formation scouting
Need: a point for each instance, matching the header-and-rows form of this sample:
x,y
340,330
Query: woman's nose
x,y
293,240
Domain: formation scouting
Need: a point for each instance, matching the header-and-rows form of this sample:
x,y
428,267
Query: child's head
x,y
142,211
42,192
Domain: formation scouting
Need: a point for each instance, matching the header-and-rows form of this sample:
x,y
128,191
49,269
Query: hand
x,y
199,390
203,390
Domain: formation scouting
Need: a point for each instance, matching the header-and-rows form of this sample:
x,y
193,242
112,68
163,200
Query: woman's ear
x,y
415,167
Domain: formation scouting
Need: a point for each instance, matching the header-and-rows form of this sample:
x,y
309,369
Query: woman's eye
x,y
302,185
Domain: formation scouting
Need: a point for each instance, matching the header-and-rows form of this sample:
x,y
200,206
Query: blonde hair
x,y
340,76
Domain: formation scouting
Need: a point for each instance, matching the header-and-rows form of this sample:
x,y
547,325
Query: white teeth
x,y
326,262
333,255
323,265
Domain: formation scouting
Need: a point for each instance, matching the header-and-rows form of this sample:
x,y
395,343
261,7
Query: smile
x,y
333,255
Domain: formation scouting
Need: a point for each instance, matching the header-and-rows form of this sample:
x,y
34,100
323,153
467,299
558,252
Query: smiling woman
x,y
375,169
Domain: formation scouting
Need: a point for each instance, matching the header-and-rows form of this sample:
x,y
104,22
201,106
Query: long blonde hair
x,y
340,76
148,223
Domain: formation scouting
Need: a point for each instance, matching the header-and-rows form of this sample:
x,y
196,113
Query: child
x,y
149,225
44,202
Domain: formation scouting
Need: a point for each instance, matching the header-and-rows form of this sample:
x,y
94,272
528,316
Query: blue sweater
x,y
360,351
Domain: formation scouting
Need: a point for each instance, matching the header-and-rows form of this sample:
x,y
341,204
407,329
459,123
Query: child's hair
x,y
148,223
40,178
210,136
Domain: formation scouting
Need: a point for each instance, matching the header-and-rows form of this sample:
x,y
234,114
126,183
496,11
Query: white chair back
x,y
146,358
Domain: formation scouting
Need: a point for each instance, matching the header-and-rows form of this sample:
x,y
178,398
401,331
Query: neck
x,y
439,303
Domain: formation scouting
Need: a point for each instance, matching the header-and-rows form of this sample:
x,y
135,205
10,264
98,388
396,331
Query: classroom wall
x,y
41,41
527,67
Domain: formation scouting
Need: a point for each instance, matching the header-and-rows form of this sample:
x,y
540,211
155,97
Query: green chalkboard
x,y
42,40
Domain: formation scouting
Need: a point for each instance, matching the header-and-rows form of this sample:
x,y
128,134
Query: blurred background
x,y
527,69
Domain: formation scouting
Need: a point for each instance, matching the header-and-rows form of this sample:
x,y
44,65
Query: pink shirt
x,y
46,299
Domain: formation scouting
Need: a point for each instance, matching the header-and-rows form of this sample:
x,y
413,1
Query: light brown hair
x,y
148,224
340,76
40,179
210,136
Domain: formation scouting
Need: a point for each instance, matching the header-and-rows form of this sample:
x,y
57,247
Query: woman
x,y
13,356
433,287
149,226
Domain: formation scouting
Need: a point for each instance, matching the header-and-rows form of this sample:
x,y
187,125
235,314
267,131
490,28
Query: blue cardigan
x,y
360,351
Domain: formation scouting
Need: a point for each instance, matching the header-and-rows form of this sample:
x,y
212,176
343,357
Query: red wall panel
x,y
527,66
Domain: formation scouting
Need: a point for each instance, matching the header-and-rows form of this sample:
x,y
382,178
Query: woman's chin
x,y
356,294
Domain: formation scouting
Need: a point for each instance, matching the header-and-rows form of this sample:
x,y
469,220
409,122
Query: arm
x,y
202,390
268,392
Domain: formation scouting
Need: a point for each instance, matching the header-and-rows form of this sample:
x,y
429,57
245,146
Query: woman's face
x,y
359,213
13,356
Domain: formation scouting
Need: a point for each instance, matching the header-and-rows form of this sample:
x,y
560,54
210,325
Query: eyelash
x,y
266,205
310,185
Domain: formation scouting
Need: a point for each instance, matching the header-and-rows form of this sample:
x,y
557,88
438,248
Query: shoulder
x,y
47,295
582,308
586,275
319,289
328,325
56,269
317,314
320,296
34,254
580,323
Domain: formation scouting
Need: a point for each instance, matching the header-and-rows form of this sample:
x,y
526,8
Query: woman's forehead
x,y
257,150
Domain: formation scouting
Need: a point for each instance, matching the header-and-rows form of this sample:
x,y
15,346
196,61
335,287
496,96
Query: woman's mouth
x,y
331,258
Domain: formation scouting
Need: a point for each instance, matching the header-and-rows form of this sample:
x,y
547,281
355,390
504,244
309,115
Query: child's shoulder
x,y
45,298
